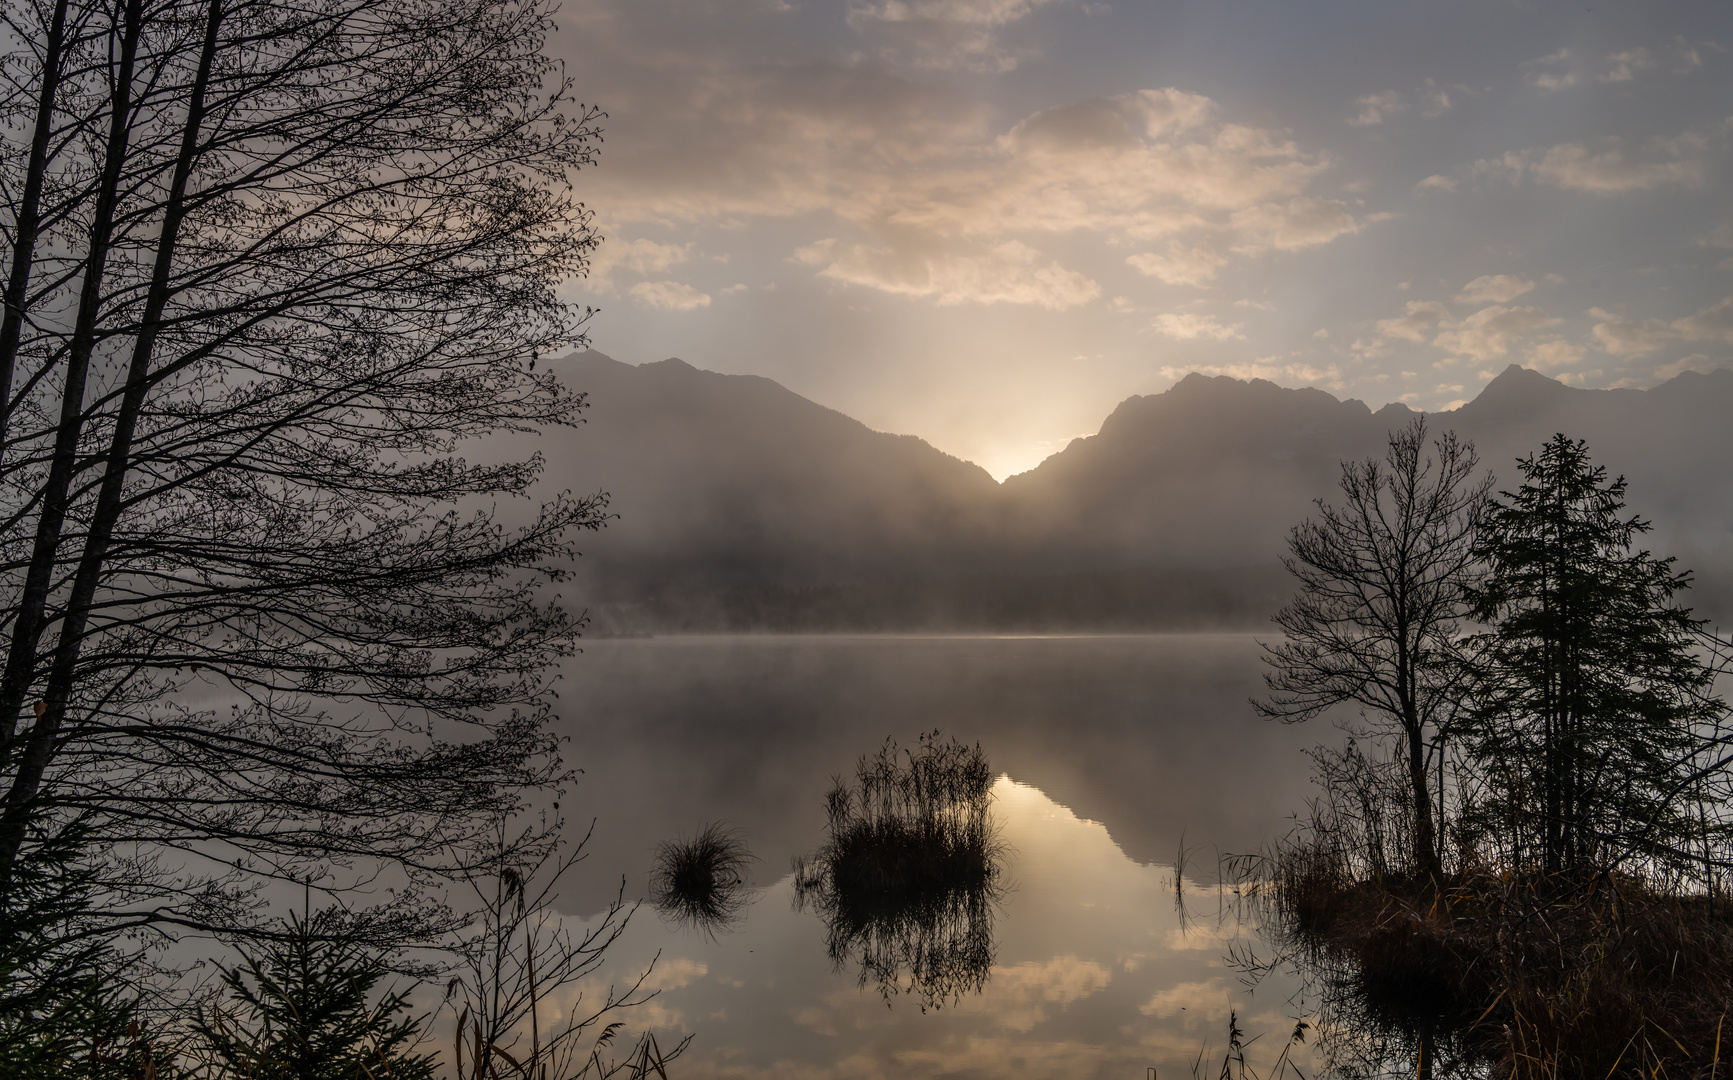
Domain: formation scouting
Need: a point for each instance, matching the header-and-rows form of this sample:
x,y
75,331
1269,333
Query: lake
x,y
1111,753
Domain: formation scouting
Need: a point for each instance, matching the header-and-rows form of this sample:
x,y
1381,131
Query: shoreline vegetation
x,y
1516,865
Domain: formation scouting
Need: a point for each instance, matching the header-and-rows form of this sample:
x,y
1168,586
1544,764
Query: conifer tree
x,y
1589,691
304,1008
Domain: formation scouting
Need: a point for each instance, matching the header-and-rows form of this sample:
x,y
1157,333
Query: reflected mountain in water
x,y
910,873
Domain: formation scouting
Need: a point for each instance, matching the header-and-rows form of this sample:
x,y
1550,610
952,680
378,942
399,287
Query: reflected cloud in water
x,y
1091,976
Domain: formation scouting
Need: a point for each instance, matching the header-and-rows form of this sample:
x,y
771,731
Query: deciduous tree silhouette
x,y
272,265
1384,583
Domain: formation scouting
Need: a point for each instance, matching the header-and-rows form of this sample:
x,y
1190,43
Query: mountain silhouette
x,y
742,505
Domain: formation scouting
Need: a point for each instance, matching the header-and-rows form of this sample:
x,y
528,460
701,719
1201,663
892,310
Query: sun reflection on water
x,y
1095,974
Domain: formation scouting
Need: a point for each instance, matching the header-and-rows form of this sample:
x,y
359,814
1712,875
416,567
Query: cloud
x,y
1301,222
1020,997
1436,99
922,193
1010,273
1610,169
1711,324
1494,288
668,296
944,34
640,256
1621,336
1551,72
1375,107
1489,332
1418,322
1721,236
1190,326
1181,265
1575,168
1623,66
1554,353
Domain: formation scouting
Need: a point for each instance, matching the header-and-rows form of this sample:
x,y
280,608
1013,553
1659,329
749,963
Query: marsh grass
x,y
701,881
910,871
1550,977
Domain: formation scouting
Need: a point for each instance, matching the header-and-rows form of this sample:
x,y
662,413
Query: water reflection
x,y
909,874
701,882
1366,1026
1113,747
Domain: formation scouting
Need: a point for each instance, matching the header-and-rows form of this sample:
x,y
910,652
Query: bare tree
x,y
1384,582
272,265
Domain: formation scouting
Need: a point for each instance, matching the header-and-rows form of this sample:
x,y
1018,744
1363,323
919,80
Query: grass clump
x,y
701,881
910,870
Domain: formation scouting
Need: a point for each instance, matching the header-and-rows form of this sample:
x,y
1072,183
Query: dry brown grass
x,y
1544,977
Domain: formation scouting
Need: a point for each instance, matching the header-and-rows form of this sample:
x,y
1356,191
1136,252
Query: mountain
x,y
744,506
732,481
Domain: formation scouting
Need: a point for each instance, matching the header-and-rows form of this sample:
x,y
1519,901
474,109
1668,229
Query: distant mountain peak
x,y
1517,392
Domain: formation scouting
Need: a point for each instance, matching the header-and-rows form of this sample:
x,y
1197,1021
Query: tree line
x,y
1546,701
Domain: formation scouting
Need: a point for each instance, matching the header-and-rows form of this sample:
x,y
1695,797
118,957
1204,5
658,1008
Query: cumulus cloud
x,y
1554,353
1609,168
1494,288
963,34
1574,167
1552,71
1488,333
922,195
1711,324
1190,326
1623,336
639,256
1435,99
1009,273
1419,320
1623,66
668,296
1373,108
1180,265
1485,335
1301,222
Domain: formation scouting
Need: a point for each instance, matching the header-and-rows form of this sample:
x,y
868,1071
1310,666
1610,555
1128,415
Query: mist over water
x,y
1109,749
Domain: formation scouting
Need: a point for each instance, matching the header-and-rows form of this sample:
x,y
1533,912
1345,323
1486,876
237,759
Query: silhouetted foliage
x,y
309,1005
64,992
273,264
909,874
1590,696
1384,583
701,881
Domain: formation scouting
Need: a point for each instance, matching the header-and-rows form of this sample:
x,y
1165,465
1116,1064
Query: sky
x,y
987,222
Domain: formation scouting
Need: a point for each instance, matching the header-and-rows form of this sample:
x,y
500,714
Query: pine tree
x,y
1589,690
305,1009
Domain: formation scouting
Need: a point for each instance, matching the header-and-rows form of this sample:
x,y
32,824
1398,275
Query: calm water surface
x,y
1110,749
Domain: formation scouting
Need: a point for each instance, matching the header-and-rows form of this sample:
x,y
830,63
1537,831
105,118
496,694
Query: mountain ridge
x,y
743,505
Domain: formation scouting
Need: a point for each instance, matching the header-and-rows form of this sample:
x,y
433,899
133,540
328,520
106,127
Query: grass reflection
x,y
910,873
701,882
